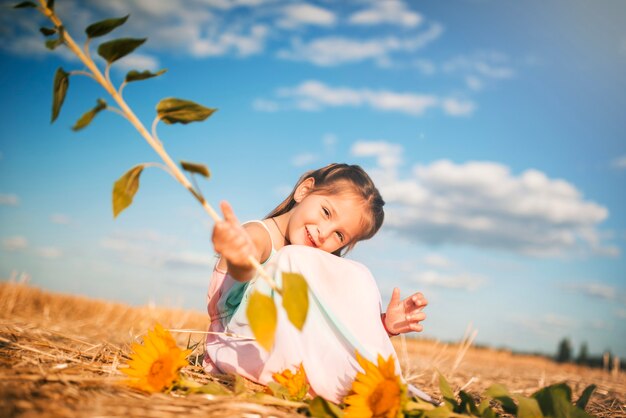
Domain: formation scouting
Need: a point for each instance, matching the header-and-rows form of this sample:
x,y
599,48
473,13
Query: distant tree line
x,y
565,354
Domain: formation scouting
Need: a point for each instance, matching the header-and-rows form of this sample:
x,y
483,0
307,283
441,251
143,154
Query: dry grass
x,y
59,355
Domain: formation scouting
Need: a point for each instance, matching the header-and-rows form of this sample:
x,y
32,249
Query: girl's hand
x,y
404,315
235,245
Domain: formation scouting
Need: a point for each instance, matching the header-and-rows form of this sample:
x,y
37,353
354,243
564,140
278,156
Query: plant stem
x,y
132,118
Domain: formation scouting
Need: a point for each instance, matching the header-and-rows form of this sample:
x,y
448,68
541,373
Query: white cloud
x,y
301,160
241,44
545,324
426,67
597,290
50,253
190,259
486,64
295,15
620,163
15,243
263,105
314,95
450,281
386,12
9,200
60,219
620,313
387,155
481,203
456,107
339,50
436,260
473,83
137,61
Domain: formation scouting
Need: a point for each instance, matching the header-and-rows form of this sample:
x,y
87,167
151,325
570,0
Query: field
x,y
59,356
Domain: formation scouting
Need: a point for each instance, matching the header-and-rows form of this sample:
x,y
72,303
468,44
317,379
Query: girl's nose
x,y
322,234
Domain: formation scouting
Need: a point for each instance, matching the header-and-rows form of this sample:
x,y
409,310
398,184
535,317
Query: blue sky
x,y
492,128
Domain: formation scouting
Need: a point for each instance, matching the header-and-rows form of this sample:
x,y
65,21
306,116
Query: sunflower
x,y
154,366
376,393
295,383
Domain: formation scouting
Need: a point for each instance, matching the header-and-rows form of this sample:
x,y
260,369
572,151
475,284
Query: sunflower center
x,y
385,399
161,373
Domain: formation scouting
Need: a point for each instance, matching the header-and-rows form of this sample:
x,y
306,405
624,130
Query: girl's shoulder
x,y
262,238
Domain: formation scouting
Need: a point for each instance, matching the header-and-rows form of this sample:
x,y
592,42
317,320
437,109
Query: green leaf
x,y
172,110
125,188
467,404
25,5
135,75
527,407
89,115
52,44
103,27
47,31
262,316
118,48
447,393
555,400
321,408
496,390
59,89
584,398
278,390
484,410
201,169
211,388
295,298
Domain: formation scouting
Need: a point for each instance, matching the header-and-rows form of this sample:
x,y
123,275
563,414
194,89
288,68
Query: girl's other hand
x,y
405,315
231,240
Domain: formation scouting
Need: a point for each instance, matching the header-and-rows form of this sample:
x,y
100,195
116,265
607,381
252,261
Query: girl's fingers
x,y
227,211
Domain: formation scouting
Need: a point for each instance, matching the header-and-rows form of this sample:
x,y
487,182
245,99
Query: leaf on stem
x,y
118,48
25,5
527,407
135,75
447,393
61,83
295,298
262,316
201,169
125,188
321,408
584,398
54,43
89,115
47,31
172,110
103,27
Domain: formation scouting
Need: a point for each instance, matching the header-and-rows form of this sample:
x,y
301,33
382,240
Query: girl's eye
x,y
326,212
340,235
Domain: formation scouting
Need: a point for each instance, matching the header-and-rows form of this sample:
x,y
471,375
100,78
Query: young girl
x,y
330,209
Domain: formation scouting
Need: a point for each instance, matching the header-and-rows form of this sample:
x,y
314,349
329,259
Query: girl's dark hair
x,y
341,178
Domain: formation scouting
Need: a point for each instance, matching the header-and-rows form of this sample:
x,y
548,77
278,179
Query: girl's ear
x,y
304,189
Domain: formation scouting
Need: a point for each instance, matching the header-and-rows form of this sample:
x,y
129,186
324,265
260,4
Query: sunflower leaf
x,y
89,115
61,84
134,75
172,110
125,188
47,31
262,316
527,407
201,169
118,48
295,298
321,408
25,5
103,27
584,398
447,393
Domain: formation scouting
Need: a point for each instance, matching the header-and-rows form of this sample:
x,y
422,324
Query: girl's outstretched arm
x,y
236,242
404,315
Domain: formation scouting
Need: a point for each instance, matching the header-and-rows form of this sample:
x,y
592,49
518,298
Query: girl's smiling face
x,y
327,222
